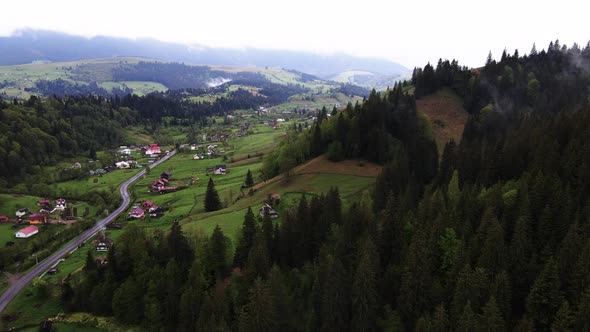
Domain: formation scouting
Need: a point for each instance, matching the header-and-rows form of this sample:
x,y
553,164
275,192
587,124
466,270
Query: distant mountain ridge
x,y
26,46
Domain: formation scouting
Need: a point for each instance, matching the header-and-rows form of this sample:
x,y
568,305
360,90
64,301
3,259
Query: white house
x,y
220,170
27,232
122,164
126,151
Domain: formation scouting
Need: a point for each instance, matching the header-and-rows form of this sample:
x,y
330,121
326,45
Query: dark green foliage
x,y
335,151
259,314
249,182
545,296
127,302
246,240
564,319
216,255
364,288
491,319
468,321
212,202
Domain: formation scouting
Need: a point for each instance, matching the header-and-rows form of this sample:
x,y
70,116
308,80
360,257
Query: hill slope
x,y
26,46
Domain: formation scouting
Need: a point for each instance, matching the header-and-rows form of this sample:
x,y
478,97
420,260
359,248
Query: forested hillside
x,y
493,237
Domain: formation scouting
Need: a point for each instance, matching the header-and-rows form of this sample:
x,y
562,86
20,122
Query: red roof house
x,y
146,205
37,218
137,213
27,232
44,202
3,219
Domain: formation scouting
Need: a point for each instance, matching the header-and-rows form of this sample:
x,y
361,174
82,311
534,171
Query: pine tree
x,y
545,297
335,298
249,180
216,259
127,302
467,321
258,261
564,319
364,292
440,319
267,234
259,315
212,202
246,240
152,308
491,319
582,319
178,247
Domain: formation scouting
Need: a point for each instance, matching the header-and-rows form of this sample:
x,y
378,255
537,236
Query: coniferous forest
x,y
492,236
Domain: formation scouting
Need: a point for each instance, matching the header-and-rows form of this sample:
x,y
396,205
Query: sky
x,y
410,32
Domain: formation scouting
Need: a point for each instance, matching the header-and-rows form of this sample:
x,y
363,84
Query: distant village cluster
x,y
48,212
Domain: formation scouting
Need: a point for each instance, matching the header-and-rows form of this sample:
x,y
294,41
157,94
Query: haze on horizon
x,y
409,32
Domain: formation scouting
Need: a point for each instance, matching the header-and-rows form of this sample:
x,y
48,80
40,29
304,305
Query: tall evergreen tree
x,y
212,202
491,319
249,182
216,255
545,296
246,239
364,290
260,313
467,322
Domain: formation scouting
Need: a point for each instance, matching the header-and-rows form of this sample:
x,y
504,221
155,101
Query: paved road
x,y
24,280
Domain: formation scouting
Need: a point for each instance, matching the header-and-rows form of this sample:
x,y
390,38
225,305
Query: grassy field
x,y
348,76
139,88
317,101
447,116
24,76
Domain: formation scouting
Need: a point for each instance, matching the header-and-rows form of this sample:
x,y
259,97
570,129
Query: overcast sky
x,y
409,32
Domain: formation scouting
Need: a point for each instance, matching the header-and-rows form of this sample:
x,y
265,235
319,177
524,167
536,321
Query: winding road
x,y
25,279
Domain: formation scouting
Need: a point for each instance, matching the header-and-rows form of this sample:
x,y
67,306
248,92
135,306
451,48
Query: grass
x,y
30,310
317,101
348,76
24,76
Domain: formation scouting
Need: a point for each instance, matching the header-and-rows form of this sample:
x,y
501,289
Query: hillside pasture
x,y
447,116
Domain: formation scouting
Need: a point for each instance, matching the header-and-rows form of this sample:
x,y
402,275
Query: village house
x,y
37,218
220,170
60,204
103,243
22,212
44,202
137,213
27,232
122,164
268,209
3,219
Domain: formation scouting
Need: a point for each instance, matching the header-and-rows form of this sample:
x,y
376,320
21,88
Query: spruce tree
x,y
467,322
249,180
545,297
364,289
259,315
246,240
440,319
216,260
212,202
491,319
564,318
